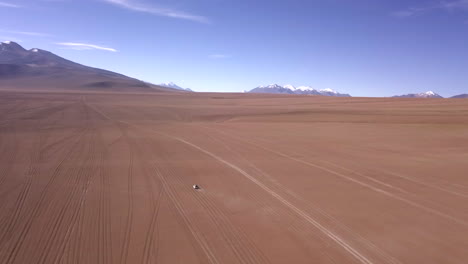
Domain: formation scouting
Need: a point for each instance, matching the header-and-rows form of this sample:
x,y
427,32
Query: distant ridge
x,y
460,96
290,89
429,94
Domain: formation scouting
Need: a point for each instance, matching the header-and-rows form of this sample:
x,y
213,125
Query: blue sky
x,y
361,47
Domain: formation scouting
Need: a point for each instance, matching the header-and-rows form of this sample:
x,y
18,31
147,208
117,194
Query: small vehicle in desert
x,y
196,187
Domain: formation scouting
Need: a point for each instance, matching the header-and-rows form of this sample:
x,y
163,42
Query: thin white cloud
x,y
26,33
458,4
220,56
452,5
409,12
5,4
83,46
9,38
159,11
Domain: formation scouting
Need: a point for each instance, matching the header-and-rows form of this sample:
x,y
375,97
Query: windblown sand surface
x,y
107,178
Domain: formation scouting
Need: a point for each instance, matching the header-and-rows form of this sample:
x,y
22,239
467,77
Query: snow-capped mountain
x,y
174,86
290,89
429,94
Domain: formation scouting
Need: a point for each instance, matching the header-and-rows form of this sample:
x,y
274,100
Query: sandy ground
x,y
107,178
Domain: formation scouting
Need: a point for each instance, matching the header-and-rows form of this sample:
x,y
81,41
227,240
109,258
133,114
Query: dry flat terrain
x,y
107,178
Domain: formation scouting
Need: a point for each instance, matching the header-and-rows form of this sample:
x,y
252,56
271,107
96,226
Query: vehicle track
x,y
338,240
388,172
241,243
9,151
22,197
84,181
150,249
14,247
149,256
327,218
129,221
363,184
74,203
429,185
237,241
180,209
198,237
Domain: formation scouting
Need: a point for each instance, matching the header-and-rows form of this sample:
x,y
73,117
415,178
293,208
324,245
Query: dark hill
x,y
36,68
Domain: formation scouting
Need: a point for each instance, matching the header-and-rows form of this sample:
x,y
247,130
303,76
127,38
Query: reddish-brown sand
x,y
107,178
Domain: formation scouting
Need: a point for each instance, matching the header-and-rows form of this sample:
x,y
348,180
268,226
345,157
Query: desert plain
x,y
103,177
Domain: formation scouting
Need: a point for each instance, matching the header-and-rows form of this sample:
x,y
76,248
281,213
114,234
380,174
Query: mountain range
x,y
307,90
429,94
37,68
174,86
289,89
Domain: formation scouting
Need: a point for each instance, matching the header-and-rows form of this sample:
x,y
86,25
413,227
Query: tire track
x,y
129,221
356,254
233,238
27,227
22,197
433,206
10,151
395,175
390,173
149,241
69,201
190,228
153,229
69,197
77,218
198,237
429,185
317,211
13,249
72,204
338,240
363,184
241,245
74,219
105,214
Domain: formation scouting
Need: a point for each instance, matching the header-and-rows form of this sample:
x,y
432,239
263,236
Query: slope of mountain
x,y
289,89
174,86
460,96
429,94
36,68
